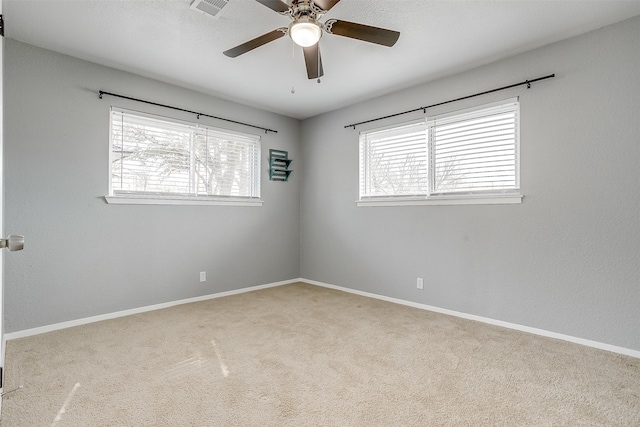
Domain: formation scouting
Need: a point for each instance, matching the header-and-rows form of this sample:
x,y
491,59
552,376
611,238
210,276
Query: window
x,y
160,160
393,162
470,156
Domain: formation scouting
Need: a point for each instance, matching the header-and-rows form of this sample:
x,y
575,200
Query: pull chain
x,y
293,57
318,50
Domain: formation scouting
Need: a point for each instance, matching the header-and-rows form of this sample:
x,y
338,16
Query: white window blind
x,y
462,154
153,155
476,151
393,162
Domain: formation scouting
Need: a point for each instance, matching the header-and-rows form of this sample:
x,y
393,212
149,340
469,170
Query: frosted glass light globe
x,y
305,34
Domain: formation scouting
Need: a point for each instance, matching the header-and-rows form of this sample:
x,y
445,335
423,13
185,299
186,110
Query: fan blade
x,y
276,5
313,61
257,42
362,32
325,4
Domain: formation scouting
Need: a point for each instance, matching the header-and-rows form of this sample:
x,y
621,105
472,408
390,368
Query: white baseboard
x,y
542,332
86,320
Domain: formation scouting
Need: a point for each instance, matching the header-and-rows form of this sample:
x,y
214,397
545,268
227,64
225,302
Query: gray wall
x,y
84,257
565,260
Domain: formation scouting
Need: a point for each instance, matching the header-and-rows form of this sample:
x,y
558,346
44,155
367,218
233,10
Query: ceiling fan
x,y
305,30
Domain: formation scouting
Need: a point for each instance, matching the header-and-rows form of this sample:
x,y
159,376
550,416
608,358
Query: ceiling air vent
x,y
210,7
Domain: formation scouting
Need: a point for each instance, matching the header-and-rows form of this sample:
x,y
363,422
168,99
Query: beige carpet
x,y
300,355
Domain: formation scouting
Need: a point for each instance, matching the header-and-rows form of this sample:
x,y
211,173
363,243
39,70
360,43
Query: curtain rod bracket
x,y
528,84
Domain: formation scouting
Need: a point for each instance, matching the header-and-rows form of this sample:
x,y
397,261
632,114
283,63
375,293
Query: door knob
x,y
13,242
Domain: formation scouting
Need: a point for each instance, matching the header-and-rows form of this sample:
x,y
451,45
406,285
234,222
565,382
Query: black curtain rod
x,y
100,93
526,82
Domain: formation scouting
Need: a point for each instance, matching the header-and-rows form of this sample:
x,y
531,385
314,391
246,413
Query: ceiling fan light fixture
x,y
305,33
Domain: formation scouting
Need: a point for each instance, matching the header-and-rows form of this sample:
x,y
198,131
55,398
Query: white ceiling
x,y
168,41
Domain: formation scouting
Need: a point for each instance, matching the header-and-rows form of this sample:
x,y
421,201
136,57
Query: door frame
x,y
2,342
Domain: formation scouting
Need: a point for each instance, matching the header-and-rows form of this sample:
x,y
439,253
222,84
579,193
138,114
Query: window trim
x,y
139,198
485,197
476,199
136,199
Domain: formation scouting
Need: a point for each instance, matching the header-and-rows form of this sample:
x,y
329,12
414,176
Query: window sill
x,y
495,199
120,199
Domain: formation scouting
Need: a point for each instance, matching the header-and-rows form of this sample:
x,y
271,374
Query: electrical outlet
x,y
420,283
203,276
